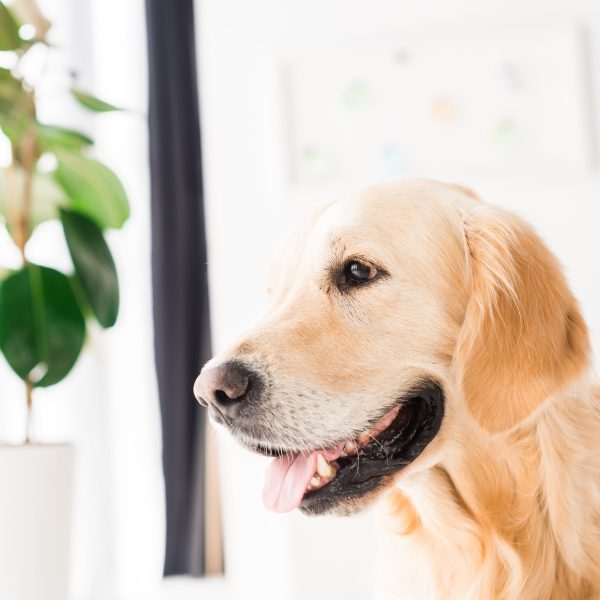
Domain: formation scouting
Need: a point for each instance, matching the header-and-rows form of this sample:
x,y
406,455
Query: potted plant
x,y
44,312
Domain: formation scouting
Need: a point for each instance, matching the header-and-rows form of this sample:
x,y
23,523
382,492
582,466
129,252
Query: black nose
x,y
225,387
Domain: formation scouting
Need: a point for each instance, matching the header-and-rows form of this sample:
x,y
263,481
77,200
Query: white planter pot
x,y
36,490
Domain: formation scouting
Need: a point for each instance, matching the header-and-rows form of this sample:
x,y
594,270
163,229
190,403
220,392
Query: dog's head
x,y
395,315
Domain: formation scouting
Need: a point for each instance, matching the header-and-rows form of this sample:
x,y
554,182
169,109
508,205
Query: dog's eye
x,y
359,273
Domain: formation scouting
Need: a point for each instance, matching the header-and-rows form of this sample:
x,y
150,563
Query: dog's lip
x,y
264,449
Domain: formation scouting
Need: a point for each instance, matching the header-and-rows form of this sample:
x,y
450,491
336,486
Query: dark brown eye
x,y
359,273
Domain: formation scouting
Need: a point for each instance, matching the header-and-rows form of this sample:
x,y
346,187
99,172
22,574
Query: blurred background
x,y
241,117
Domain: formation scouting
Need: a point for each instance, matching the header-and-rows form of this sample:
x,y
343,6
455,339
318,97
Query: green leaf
x,y
16,106
94,266
91,102
41,325
47,195
93,189
9,80
53,137
14,122
9,30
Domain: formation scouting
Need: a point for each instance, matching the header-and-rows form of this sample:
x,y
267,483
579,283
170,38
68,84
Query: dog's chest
x,y
429,560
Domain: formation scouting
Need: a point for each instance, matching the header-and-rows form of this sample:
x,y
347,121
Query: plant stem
x,y
13,208
29,12
28,395
25,154
28,158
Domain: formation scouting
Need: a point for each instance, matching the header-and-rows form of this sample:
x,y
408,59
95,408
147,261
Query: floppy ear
x,y
523,336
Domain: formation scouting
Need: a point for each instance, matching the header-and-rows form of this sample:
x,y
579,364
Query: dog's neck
x,y
505,516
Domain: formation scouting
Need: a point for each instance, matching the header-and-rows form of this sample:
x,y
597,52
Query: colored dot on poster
x,y
355,95
402,57
504,132
444,111
315,161
511,77
395,160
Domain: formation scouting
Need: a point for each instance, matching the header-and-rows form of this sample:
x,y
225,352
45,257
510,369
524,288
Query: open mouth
x,y
321,480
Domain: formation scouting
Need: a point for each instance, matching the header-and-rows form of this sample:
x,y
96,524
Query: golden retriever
x,y
423,349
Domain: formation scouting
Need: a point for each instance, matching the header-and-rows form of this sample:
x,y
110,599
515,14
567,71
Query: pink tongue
x,y
288,476
286,480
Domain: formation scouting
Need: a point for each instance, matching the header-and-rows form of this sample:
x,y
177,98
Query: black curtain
x,y
180,295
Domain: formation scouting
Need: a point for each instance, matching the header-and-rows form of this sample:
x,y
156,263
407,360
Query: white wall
x,y
242,48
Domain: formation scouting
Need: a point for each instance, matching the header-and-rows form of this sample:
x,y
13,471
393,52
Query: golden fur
x,y
515,514
505,502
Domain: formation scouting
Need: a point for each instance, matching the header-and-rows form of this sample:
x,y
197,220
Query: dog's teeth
x,y
324,469
364,439
315,482
350,447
